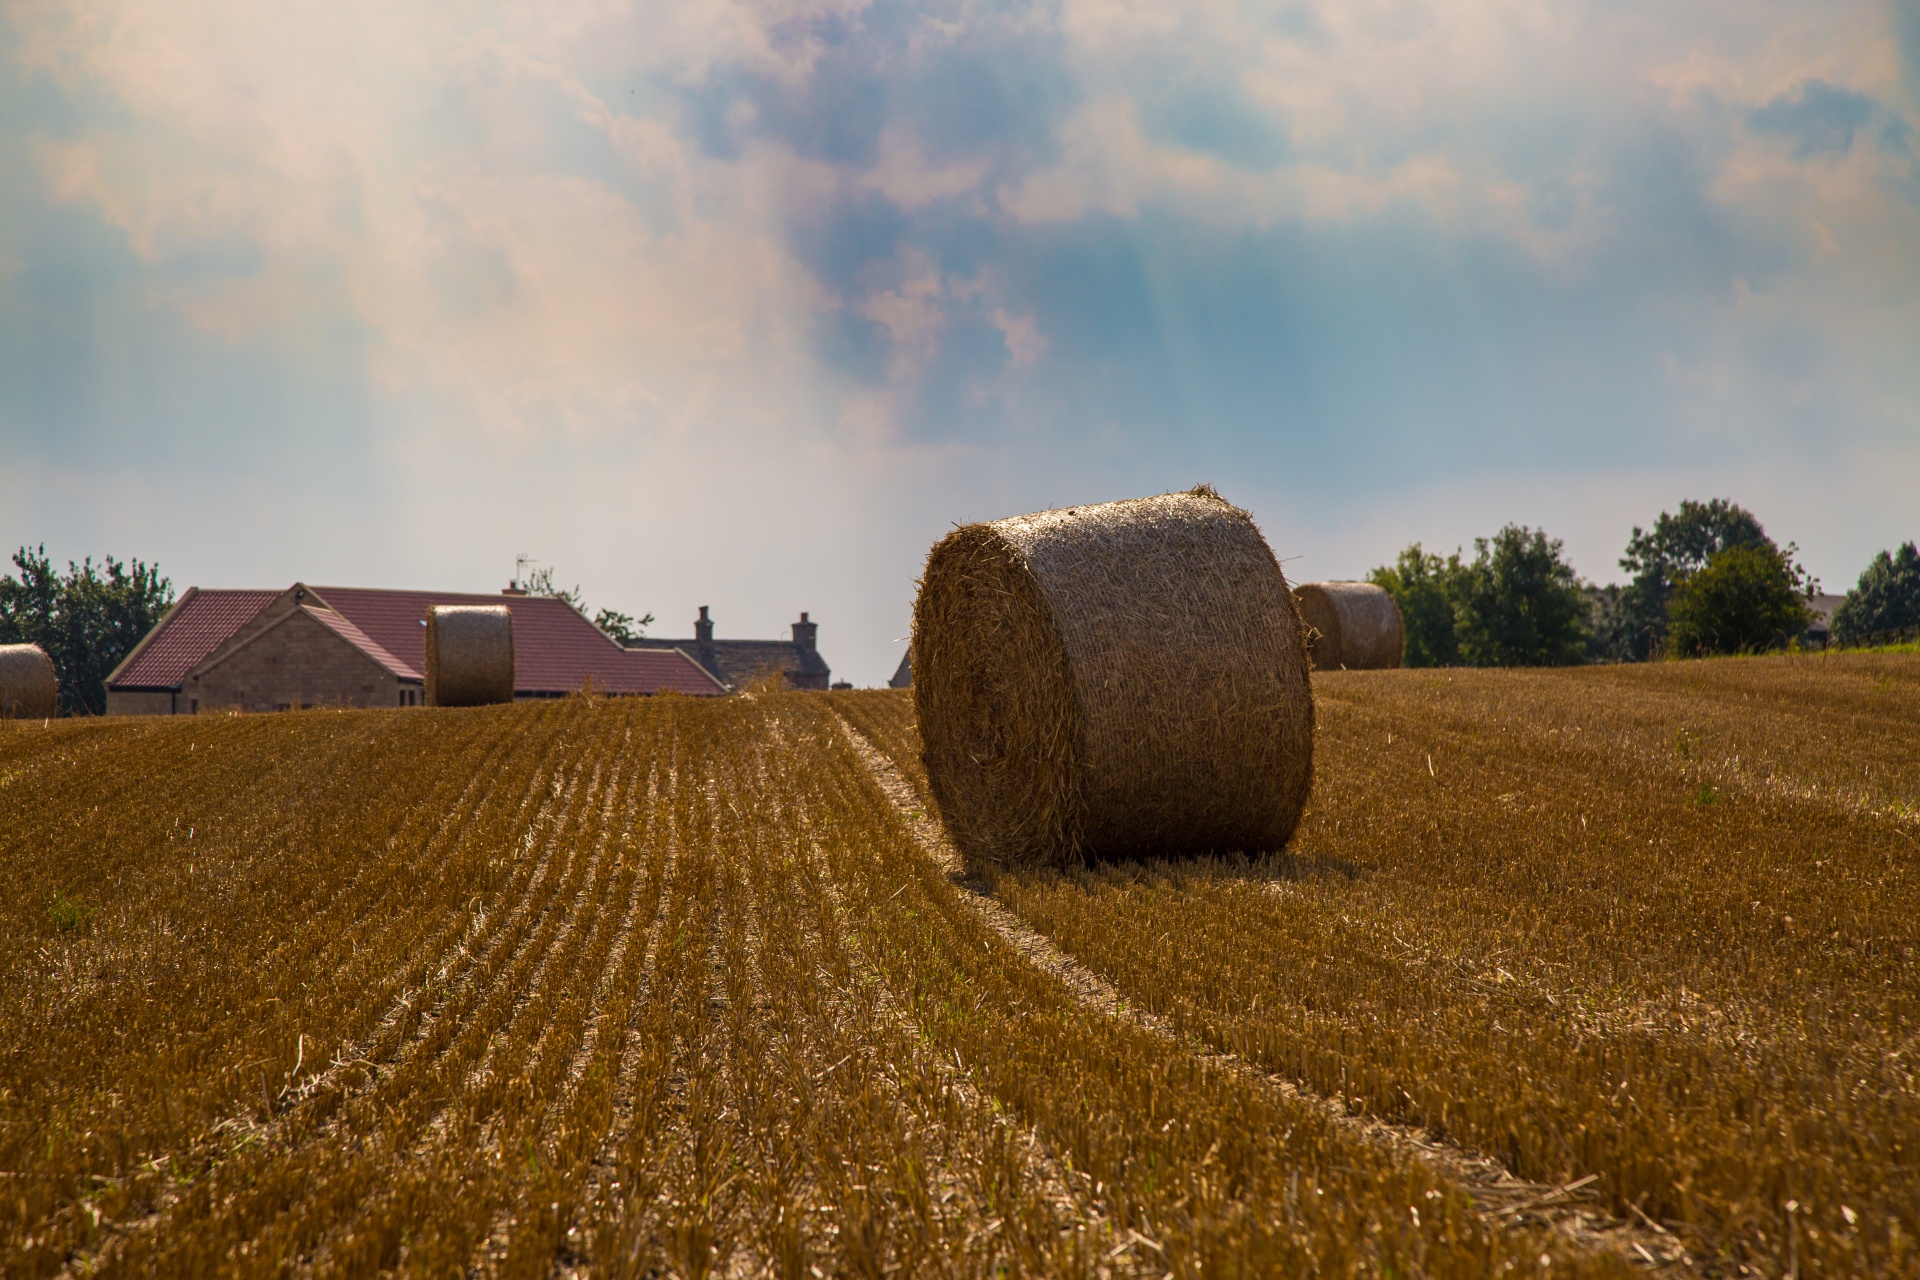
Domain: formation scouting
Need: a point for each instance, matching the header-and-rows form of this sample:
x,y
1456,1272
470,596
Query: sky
x,y
746,304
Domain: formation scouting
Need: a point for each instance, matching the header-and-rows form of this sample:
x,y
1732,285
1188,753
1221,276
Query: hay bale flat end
x,y
1351,625
29,690
1119,680
469,655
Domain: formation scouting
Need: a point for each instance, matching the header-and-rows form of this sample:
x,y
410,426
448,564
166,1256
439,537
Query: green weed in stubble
x,y
70,914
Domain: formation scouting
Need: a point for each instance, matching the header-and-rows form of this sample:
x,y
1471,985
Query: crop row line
x,y
1503,1199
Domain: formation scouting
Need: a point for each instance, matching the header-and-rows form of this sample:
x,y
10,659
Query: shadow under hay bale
x,y
1109,681
29,690
469,655
1351,625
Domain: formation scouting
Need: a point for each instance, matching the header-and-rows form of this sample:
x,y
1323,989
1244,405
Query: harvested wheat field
x,y
1565,973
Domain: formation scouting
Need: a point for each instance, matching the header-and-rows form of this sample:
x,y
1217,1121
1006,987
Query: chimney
x,y
512,589
703,628
803,633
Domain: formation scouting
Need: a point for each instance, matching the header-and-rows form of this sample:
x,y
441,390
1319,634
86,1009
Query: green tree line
x,y
1706,579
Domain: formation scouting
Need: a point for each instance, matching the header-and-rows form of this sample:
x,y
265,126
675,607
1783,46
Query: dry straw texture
x,y
1354,625
28,689
1118,680
469,655
716,1014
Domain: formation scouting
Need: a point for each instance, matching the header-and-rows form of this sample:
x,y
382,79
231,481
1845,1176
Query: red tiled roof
x,y
555,650
339,624
198,625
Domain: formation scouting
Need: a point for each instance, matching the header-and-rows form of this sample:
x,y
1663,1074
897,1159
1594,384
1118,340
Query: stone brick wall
x,y
297,663
139,702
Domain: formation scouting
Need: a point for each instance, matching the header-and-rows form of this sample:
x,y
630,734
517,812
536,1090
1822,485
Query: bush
x,y
1520,603
1886,598
1424,586
1745,600
1656,559
1517,604
87,621
1610,630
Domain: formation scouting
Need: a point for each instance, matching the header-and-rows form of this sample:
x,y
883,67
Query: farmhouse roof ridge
x,y
557,650
344,627
734,662
200,621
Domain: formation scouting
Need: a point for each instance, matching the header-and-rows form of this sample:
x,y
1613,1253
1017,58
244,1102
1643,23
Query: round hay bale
x,y
469,655
1119,680
1354,625
28,688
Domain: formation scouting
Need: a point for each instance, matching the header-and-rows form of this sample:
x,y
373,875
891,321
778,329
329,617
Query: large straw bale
x,y
29,690
1354,625
469,655
1118,680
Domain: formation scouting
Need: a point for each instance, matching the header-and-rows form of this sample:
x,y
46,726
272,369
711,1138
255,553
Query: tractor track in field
x,y
597,881
1502,1199
1072,1193
451,971
523,938
602,1171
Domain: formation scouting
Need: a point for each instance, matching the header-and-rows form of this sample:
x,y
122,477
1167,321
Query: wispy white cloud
x,y
980,255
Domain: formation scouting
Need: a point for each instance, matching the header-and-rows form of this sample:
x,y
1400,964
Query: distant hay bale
x,y
469,655
1119,680
28,688
1354,625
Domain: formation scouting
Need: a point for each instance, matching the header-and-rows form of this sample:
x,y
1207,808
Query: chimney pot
x,y
804,633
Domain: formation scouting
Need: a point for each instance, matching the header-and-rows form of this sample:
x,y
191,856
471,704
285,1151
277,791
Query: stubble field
x,y
1579,972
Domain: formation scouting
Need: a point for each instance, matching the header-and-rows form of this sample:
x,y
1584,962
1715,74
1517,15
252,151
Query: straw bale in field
x,y
469,655
28,688
1118,680
1354,625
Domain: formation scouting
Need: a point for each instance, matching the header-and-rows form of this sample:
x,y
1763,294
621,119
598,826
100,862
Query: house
x,y
1819,632
737,662
358,647
903,674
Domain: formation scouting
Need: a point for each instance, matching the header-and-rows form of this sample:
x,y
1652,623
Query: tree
x,y
1676,546
87,621
1520,603
621,627
1609,631
1747,599
539,582
1886,598
1424,587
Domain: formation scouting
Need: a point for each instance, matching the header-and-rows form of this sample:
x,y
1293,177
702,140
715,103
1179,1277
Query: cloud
x,y
693,277
1816,117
